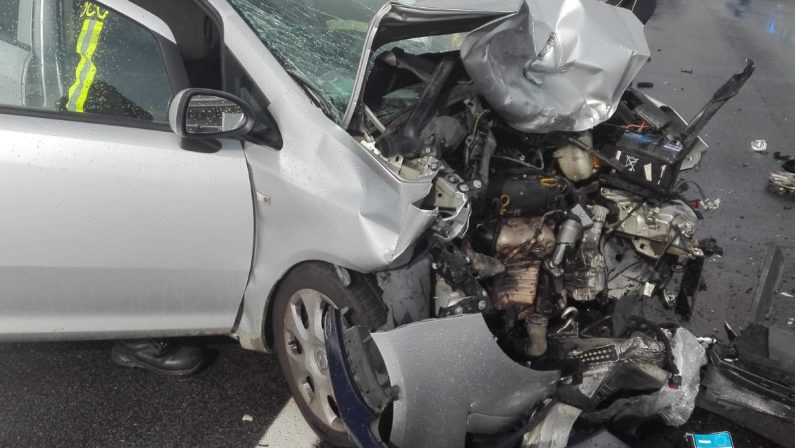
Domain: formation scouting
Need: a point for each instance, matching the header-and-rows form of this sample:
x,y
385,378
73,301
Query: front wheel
x,y
301,302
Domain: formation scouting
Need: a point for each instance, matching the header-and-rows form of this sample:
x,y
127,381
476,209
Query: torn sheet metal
x,y
673,405
462,381
677,125
556,66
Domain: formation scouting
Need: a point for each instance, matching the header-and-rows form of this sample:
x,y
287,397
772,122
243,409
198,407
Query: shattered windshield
x,y
320,42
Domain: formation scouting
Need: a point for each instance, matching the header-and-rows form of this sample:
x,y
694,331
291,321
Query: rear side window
x,y
93,61
9,16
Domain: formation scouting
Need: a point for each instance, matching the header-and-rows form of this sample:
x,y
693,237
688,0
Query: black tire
x,y
365,306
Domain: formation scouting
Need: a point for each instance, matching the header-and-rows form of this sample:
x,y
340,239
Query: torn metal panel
x,y
464,373
676,126
556,66
404,19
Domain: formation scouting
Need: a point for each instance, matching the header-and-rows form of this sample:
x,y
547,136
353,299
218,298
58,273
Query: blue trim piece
x,y
358,417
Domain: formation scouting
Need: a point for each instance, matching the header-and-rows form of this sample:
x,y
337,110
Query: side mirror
x,y
208,114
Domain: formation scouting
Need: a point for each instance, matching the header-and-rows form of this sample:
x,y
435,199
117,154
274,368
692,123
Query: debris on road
x,y
709,204
687,70
645,85
759,145
715,440
782,183
247,418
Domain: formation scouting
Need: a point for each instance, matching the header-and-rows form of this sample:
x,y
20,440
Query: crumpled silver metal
x,y
556,65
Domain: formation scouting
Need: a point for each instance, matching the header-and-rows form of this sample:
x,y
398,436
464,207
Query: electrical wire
x,y
477,121
698,187
519,162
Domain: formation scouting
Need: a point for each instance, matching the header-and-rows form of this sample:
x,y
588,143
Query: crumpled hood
x,y
556,65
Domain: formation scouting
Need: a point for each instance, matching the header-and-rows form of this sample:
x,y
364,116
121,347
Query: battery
x,y
645,159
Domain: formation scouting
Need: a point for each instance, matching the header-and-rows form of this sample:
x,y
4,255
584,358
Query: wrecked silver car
x,y
440,214
556,207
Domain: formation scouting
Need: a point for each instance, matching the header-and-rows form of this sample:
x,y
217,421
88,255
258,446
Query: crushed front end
x,y
559,210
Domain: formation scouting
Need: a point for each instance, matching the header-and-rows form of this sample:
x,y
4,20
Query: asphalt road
x,y
70,395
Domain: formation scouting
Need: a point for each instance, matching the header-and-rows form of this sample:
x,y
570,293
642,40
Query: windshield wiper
x,y
314,94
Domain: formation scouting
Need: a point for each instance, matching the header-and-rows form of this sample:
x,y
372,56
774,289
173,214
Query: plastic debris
x,y
759,145
247,418
709,204
786,294
673,405
686,70
781,183
645,85
714,440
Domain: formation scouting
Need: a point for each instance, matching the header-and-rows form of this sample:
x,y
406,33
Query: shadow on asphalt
x,y
71,394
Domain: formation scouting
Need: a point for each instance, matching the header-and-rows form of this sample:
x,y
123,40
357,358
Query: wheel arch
x,y
266,329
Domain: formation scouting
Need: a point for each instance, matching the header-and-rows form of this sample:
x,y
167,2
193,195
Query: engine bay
x,y
554,238
531,225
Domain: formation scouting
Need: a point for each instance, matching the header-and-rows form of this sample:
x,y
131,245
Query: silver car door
x,y
107,228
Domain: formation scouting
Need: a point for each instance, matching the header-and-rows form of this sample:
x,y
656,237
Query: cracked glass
x,y
320,42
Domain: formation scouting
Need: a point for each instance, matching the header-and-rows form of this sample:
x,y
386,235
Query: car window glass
x,y
97,62
320,42
9,16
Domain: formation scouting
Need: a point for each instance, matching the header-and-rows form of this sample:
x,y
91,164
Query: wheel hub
x,y
306,354
320,360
